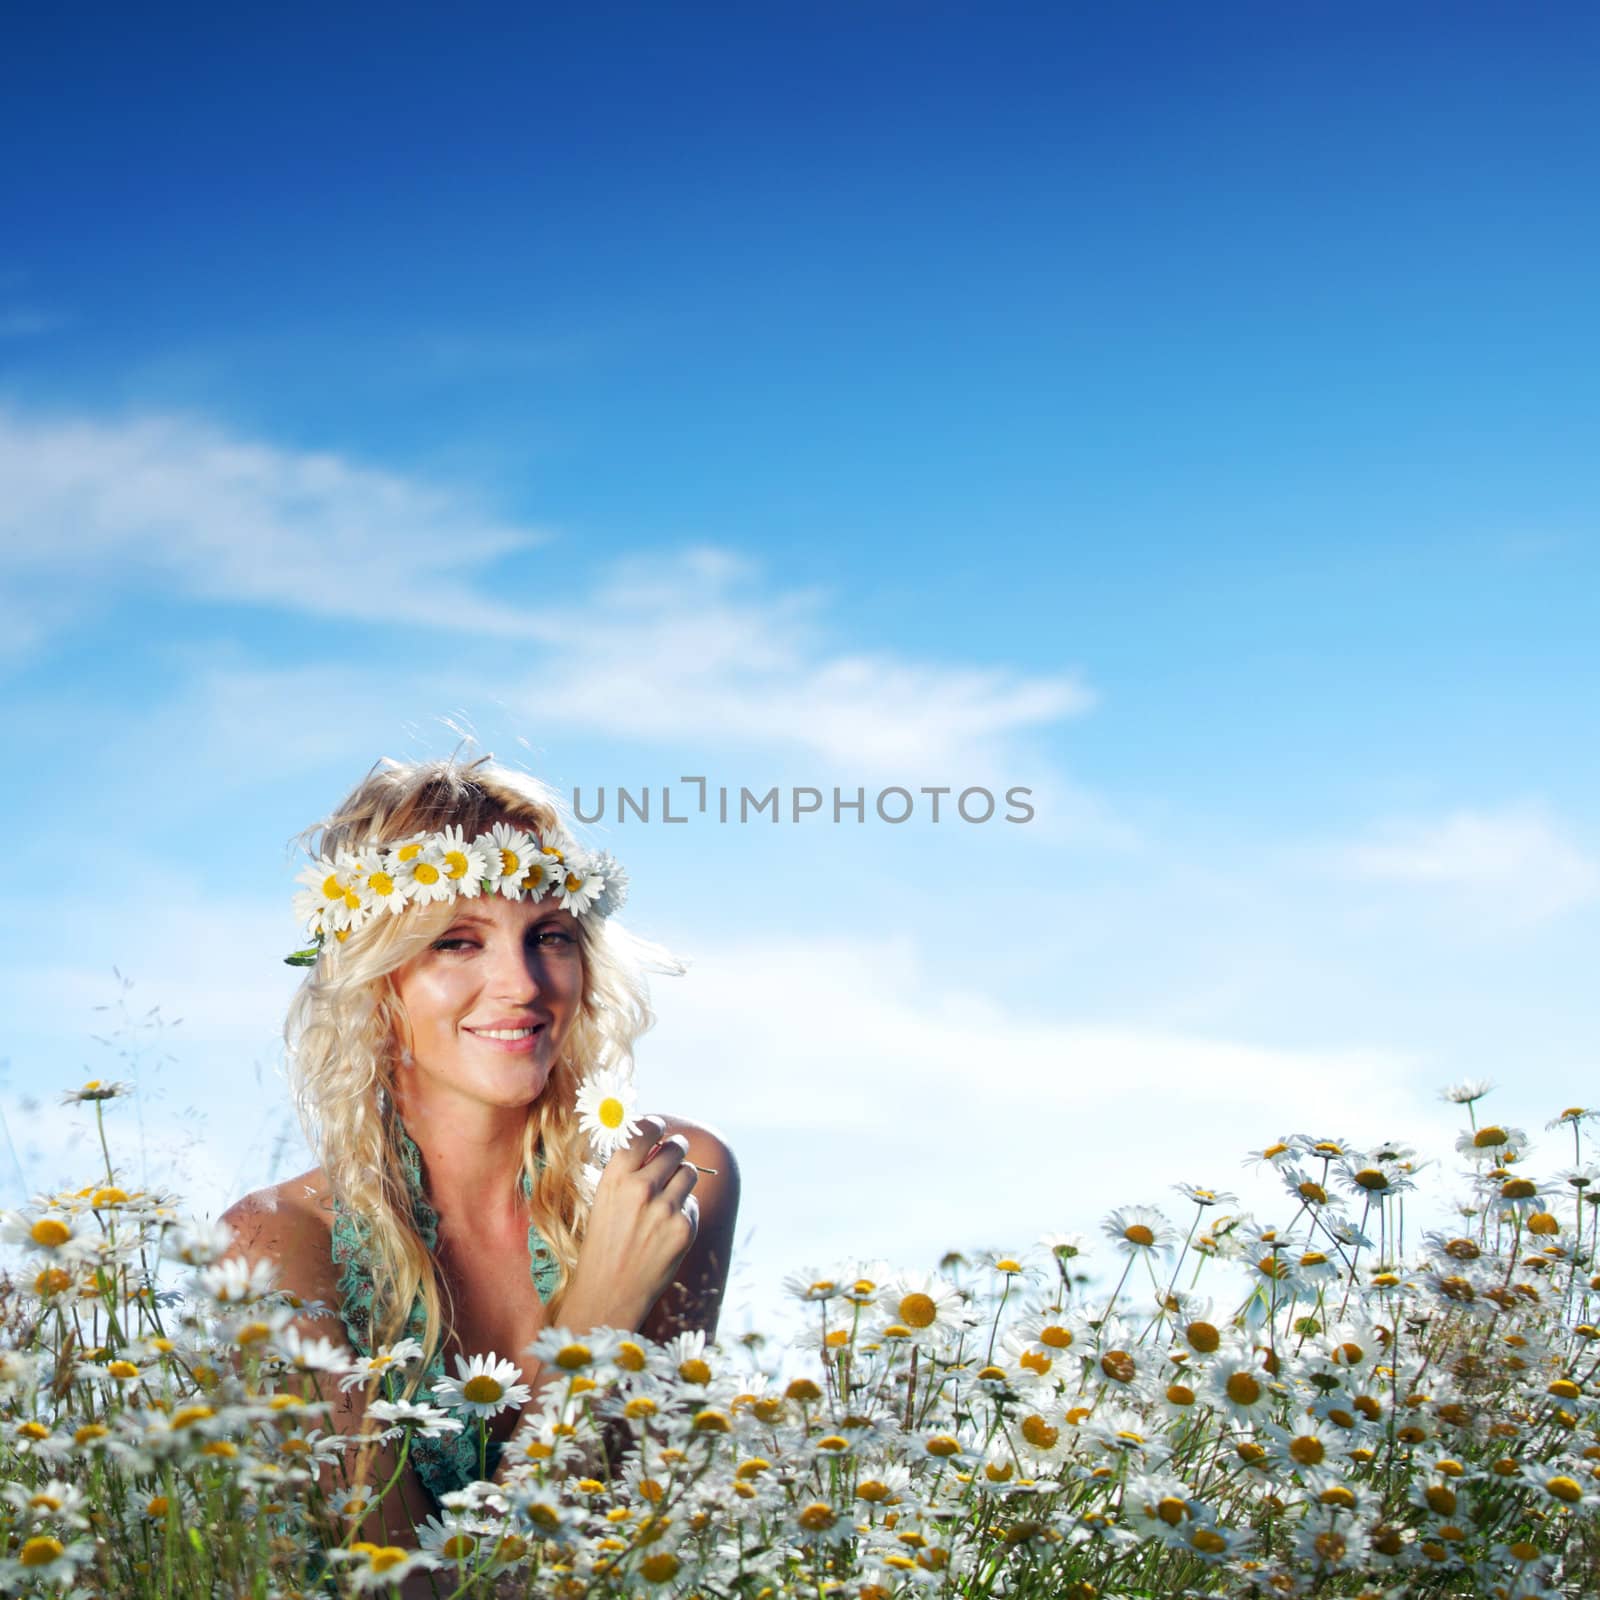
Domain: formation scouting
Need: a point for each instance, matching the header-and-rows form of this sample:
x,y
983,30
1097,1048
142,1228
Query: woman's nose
x,y
515,973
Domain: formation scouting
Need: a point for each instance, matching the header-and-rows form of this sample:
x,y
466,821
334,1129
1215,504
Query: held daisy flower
x,y
608,1110
483,1387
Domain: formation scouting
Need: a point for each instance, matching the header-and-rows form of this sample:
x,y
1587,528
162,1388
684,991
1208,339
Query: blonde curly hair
x,y
346,1033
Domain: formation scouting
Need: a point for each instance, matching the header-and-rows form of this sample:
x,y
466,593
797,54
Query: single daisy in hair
x,y
608,1108
422,875
483,1387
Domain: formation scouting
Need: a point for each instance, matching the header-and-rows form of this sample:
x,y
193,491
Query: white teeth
x,y
505,1033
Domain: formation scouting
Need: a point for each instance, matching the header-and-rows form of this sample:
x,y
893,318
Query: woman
x,y
465,981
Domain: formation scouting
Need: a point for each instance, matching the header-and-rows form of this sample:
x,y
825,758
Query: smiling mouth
x,y
507,1033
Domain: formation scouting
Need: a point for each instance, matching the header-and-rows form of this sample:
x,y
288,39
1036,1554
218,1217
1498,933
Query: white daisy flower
x,y
234,1282
507,850
197,1244
483,1387
399,1357
422,874
1239,1385
449,1539
1135,1228
375,885
55,1501
466,864
383,1566
615,894
313,1355
575,1352
326,886
608,1107
541,873
922,1307
1493,1143
431,1422
581,886
49,1235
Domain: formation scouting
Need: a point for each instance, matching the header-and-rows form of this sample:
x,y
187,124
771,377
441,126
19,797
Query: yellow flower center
x,y
817,1517
1039,1433
661,1566
630,1356
510,863
1308,1450
611,1112
455,862
482,1390
1138,1233
1180,1394
1490,1138
332,889
1243,1389
50,1233
1441,1499
694,1370
1057,1338
1203,1337
1036,1361
409,852
381,883
123,1369
941,1444
918,1310
40,1552
386,1557
572,1356
425,872
1563,1488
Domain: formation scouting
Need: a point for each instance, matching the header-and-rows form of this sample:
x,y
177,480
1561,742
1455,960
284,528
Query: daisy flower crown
x,y
357,885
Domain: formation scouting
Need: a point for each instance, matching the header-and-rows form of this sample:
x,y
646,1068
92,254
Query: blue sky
x,y
1189,416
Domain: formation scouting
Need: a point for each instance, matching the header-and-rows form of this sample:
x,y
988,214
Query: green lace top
x,y
452,1462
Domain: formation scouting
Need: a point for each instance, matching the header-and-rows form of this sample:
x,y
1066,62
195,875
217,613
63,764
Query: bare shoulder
x,y
291,1225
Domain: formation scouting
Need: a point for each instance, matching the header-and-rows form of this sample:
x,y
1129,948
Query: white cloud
x,y
91,503
1515,867
882,1104
685,651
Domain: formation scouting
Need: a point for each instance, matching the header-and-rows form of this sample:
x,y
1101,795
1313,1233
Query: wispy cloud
x,y
690,650
183,502
1517,866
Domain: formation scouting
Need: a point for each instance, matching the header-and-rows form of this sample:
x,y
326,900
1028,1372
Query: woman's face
x,y
492,999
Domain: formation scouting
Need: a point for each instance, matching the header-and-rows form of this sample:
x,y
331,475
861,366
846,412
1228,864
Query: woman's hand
x,y
644,1219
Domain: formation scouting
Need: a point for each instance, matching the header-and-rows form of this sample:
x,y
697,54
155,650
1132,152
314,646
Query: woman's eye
x,y
555,936
455,944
